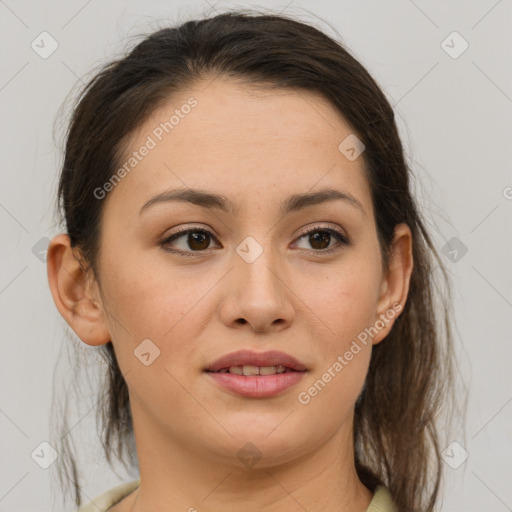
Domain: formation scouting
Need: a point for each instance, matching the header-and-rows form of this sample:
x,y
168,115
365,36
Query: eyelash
x,y
341,238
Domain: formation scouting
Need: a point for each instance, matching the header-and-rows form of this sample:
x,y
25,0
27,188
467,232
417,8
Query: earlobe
x,y
74,291
395,285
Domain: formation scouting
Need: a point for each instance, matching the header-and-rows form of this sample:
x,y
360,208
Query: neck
x,y
175,476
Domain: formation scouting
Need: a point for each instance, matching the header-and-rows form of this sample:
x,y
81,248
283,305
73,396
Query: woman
x,y
243,247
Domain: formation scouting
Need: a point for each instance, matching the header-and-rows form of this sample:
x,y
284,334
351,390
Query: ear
x,y
395,283
75,293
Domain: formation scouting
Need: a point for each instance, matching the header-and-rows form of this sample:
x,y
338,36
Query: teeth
x,y
254,370
250,370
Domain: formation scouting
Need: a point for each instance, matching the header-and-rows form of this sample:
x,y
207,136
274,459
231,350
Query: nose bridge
x,y
258,293
258,266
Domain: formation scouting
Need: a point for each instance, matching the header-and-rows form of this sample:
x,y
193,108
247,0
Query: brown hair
x,y
396,438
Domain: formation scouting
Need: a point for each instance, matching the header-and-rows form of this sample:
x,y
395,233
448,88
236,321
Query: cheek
x,y
150,293
329,396
345,299
148,298
346,305
152,303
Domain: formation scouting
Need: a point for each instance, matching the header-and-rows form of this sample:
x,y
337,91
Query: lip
x,y
256,386
249,357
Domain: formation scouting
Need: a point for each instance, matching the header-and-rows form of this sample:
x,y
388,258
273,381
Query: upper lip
x,y
251,358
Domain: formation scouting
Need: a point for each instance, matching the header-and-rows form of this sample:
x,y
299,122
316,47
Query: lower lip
x,y
257,386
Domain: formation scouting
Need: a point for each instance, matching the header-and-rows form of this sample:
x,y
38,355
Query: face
x,y
262,273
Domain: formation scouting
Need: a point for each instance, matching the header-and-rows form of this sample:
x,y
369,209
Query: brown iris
x,y
321,237
198,240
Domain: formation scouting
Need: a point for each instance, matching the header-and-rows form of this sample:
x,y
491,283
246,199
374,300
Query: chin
x,y
267,443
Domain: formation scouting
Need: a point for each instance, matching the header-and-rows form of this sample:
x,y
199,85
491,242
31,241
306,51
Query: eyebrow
x,y
293,203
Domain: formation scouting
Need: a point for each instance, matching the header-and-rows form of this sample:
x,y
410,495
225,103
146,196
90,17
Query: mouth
x,y
256,375
250,370
248,362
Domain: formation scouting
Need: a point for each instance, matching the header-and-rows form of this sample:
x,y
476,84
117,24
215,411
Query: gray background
x,y
455,119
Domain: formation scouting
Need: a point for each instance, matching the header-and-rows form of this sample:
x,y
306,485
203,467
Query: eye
x,y
319,237
194,240
198,240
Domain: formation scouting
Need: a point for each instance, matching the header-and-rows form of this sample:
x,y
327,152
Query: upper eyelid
x,y
318,225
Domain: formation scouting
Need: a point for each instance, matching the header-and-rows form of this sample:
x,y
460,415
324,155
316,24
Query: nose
x,y
258,295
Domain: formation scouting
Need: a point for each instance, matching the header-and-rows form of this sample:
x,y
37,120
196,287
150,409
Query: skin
x,y
291,298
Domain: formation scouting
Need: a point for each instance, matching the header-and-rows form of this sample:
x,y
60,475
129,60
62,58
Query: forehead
x,y
235,139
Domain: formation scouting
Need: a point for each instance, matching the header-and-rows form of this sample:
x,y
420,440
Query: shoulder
x,y
109,498
382,501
